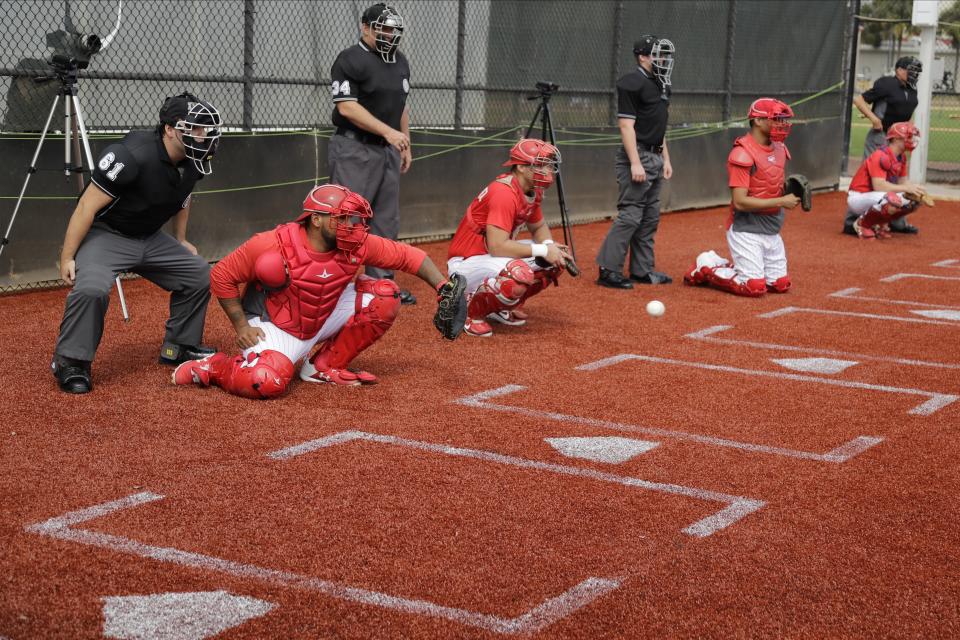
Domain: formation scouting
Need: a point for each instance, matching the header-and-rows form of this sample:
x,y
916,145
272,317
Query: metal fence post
x,y
617,42
728,69
851,73
249,12
461,52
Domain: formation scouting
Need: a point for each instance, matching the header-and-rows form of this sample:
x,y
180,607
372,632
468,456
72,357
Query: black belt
x,y
643,146
362,136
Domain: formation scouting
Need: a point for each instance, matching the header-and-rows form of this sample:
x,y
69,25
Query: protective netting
x,y
266,64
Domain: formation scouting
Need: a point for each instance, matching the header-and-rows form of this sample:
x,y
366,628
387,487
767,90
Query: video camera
x,y
547,87
72,49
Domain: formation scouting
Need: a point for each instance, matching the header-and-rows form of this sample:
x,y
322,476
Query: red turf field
x,y
776,502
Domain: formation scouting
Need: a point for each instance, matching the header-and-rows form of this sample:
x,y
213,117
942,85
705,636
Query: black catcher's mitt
x,y
451,312
571,266
799,186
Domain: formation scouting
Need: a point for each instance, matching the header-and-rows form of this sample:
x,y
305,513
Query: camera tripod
x,y
546,90
74,133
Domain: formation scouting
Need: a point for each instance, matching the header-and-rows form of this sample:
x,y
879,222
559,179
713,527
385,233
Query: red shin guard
x,y
263,375
504,291
753,288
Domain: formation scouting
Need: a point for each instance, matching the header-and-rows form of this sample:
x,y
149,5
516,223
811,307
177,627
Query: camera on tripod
x,y
547,87
72,49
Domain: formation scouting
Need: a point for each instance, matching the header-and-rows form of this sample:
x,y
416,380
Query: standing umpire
x,y
643,162
891,99
371,147
137,186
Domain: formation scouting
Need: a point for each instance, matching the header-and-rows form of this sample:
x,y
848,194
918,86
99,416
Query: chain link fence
x,y
266,63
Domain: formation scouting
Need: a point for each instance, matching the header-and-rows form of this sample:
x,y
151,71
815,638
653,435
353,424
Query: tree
x,y
876,32
952,15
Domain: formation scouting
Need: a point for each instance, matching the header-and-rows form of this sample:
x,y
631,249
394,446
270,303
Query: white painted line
x,y
840,454
707,334
939,314
847,293
927,276
748,505
537,618
950,264
873,316
936,400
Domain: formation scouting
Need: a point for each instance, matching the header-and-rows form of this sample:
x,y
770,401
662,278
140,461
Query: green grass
x,y
944,145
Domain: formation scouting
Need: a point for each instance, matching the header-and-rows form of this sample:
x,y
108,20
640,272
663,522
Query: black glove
x,y
451,312
799,186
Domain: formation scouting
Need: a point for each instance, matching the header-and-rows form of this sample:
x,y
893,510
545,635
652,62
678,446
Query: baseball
x,y
656,308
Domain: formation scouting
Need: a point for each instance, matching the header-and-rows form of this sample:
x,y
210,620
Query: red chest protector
x,y
892,164
316,283
767,167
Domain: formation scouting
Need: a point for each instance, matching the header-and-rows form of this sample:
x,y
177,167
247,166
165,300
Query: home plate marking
x,y
601,449
949,264
849,295
539,617
938,314
926,276
178,616
815,365
840,454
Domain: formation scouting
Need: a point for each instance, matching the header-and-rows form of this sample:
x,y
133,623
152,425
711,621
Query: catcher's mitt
x,y
570,265
451,312
923,198
799,186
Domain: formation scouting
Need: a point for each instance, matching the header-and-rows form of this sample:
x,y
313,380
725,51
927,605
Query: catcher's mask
x,y
779,114
350,210
199,124
542,157
914,67
904,131
387,27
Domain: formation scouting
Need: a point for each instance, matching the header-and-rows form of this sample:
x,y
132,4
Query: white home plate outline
x,y
873,316
947,264
840,454
707,335
848,295
935,402
926,276
543,615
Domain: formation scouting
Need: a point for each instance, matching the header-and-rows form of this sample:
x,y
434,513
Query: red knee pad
x,y
504,291
260,375
366,326
780,285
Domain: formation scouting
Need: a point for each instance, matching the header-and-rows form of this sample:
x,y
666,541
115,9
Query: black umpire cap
x,y
644,45
175,108
906,61
373,12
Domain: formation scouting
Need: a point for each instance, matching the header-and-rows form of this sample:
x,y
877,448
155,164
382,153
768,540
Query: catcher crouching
x,y
502,273
288,289
756,168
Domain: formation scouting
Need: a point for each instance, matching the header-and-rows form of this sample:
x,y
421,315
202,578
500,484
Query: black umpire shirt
x,y
360,74
146,187
891,101
641,98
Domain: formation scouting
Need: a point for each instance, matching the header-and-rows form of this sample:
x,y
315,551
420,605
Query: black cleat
x,y
613,280
73,376
176,354
654,277
849,230
407,298
907,228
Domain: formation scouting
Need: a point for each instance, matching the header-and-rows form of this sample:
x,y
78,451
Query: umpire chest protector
x,y
316,282
767,165
146,187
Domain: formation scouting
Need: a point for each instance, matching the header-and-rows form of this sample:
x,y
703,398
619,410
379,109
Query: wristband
x,y
538,250
549,241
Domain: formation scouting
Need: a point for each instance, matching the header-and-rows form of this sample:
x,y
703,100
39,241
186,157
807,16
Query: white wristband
x,y
538,250
548,241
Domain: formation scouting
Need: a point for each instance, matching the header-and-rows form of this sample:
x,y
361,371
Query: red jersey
x,y
882,163
317,279
502,204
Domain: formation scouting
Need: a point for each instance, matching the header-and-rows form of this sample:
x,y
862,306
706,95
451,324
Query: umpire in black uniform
x,y
643,162
138,185
891,99
371,147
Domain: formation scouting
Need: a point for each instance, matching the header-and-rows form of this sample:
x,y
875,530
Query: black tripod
x,y
546,90
74,133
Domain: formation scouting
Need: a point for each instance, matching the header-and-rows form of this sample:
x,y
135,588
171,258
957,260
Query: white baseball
x,y
656,308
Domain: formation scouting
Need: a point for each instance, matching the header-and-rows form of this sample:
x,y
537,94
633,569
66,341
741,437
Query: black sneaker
x,y
654,277
906,228
176,354
613,280
73,376
849,230
407,298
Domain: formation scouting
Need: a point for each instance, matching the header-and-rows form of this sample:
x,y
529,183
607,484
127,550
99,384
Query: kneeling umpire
x,y
137,186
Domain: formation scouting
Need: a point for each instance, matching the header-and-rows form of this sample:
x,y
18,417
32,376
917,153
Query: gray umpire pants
x,y
874,140
373,171
638,215
160,259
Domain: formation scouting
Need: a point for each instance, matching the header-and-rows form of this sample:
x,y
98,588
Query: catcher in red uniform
x,y
502,273
288,289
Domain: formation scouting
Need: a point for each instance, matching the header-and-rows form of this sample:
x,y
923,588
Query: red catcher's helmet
x,y
904,131
542,156
351,211
778,112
